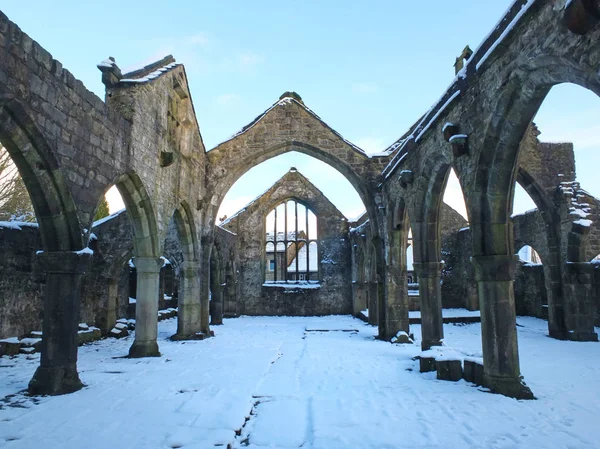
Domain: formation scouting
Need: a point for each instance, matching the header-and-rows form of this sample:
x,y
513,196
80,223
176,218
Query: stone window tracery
x,y
291,244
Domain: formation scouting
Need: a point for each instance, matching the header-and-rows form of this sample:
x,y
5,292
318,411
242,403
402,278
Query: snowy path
x,y
288,383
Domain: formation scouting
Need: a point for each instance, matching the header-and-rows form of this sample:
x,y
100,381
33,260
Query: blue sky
x,y
369,70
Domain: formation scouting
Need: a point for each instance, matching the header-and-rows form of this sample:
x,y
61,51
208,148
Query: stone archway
x,y
191,318
489,205
63,258
147,262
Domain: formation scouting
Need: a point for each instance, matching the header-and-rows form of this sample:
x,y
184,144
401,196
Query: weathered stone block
x,y
119,332
10,346
449,370
427,364
473,372
88,335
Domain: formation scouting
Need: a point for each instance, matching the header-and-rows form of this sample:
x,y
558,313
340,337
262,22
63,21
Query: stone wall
x,y
458,276
21,281
105,286
333,296
531,298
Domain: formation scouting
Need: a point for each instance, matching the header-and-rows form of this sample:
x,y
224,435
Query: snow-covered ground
x,y
290,383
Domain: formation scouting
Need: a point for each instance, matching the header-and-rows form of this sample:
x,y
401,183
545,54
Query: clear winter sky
x,y
369,69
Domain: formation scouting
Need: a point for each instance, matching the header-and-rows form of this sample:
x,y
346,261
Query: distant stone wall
x,y
450,221
531,298
21,283
104,287
458,275
334,296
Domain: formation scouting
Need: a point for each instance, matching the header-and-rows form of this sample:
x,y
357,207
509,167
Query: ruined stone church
x,y
291,251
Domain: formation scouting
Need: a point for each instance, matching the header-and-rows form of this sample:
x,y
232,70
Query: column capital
x,y
148,264
428,269
495,268
73,262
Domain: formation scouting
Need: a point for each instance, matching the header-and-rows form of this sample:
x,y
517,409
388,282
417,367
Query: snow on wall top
x,y
579,211
109,217
150,76
460,82
17,225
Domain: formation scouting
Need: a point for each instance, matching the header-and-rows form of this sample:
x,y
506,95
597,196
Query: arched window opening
x,y
522,202
453,194
114,200
569,114
529,255
291,244
410,270
15,203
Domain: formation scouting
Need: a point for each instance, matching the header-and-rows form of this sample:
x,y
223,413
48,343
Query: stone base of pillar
x,y
188,319
432,327
55,380
557,334
196,336
144,349
507,386
582,336
428,344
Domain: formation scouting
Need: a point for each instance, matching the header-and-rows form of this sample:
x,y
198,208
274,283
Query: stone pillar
x,y
553,277
495,278
230,300
430,293
359,297
111,305
216,304
396,313
373,289
57,373
472,298
146,308
189,308
205,249
579,304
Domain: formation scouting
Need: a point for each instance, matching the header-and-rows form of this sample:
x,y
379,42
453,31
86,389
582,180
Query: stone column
x,y
205,248
216,304
430,293
396,314
373,291
554,277
189,308
495,278
230,300
111,305
579,303
146,308
359,297
57,373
